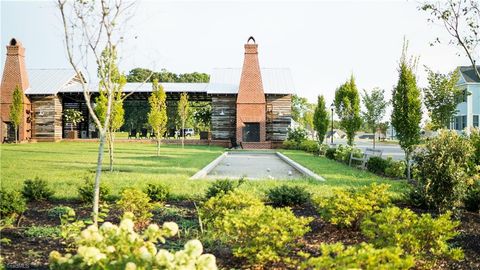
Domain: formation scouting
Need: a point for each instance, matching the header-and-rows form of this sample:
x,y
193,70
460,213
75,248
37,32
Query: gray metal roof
x,y
469,74
145,87
48,81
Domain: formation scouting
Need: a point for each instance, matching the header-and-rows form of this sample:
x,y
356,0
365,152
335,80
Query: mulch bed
x,y
32,253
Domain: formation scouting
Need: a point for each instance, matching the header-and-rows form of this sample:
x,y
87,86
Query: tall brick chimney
x,y
14,74
251,107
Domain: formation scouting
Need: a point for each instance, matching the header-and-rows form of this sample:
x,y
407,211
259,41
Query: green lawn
x,y
66,164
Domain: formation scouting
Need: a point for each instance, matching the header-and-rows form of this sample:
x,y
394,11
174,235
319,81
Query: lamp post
x,y
331,134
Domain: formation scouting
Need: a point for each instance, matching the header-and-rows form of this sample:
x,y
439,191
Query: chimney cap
x,y
13,42
251,38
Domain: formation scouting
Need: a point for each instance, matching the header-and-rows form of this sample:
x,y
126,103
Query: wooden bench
x,y
369,152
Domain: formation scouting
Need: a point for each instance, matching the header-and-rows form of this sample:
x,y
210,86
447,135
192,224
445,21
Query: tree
x,y
461,20
407,107
183,114
320,119
375,106
157,117
299,107
117,114
73,116
441,97
16,110
90,28
202,116
347,107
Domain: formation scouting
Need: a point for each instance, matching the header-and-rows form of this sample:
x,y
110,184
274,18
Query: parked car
x,y
188,132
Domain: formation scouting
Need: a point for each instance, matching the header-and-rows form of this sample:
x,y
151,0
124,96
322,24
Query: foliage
x,y
297,135
330,153
347,207
375,106
343,153
135,201
309,146
363,256
285,195
42,232
347,107
417,235
299,107
36,190
441,170
16,110
157,117
158,193
395,169
12,205
70,227
120,247
472,198
320,119
72,116
58,211
474,138
292,145
203,116
407,107
222,187
86,191
441,97
146,75
183,112
377,165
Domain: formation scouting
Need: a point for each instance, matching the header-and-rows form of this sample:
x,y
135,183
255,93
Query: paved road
x,y
392,150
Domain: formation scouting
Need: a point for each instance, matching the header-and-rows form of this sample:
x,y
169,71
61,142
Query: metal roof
x,y
469,74
145,87
48,81
227,81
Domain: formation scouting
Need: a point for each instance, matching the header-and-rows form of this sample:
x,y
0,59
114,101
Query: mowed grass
x,y
65,165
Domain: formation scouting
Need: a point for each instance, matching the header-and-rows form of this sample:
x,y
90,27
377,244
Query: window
x,y
476,120
464,122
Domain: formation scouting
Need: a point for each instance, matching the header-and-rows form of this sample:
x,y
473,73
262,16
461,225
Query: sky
x,y
323,43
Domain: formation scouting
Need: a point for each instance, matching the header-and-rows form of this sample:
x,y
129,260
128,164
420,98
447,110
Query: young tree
x,y
73,116
320,119
16,110
407,107
183,108
375,106
347,107
89,28
461,20
441,97
299,107
157,117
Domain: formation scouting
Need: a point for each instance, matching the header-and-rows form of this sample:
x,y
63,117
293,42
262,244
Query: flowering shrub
x,y
421,236
137,202
342,153
346,207
395,169
120,247
363,256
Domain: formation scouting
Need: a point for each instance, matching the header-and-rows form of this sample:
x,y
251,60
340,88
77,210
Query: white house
x,y
468,111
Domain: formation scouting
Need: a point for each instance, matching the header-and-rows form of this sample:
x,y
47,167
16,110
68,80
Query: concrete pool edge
x,y
205,170
299,167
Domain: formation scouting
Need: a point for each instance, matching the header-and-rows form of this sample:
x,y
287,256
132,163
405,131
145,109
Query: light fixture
x,y
222,113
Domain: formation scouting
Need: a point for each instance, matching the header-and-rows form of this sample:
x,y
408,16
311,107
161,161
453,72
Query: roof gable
x,y
469,75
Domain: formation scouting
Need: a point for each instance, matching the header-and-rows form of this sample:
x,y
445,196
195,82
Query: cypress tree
x,y
320,119
347,107
16,110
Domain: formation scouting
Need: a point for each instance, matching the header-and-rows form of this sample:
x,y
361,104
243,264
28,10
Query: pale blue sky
x,y
321,42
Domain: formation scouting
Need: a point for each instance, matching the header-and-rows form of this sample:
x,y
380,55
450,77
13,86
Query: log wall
x,y
224,108
279,116
47,120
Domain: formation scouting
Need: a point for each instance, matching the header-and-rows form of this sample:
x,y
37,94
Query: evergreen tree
x,y
16,110
157,117
183,108
407,107
347,107
375,106
320,119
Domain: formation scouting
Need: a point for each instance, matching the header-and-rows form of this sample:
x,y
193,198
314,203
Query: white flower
x,y
127,224
110,249
164,257
206,262
194,248
153,227
91,255
145,254
171,228
130,266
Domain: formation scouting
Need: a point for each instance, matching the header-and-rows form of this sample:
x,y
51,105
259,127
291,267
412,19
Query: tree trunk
x,y
183,134
110,148
16,134
374,135
407,158
96,195
158,144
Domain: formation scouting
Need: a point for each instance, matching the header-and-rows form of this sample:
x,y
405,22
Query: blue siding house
x,y
468,111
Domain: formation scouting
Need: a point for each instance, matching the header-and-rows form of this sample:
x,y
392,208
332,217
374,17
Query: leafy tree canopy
x,y
146,75
347,107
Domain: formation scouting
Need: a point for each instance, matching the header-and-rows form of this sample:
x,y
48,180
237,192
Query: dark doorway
x,y
9,135
251,132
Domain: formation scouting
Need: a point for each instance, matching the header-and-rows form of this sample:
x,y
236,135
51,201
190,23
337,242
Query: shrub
x,y
363,256
347,207
472,200
342,153
377,165
158,193
87,190
395,169
12,205
330,153
292,145
58,211
475,142
135,201
441,170
297,135
36,190
42,232
421,236
120,247
309,146
221,187
322,149
288,196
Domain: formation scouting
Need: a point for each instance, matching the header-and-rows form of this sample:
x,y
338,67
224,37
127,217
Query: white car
x,y
188,132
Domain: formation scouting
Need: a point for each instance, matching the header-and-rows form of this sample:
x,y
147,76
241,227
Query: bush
x,y
342,153
475,142
288,196
322,149
135,201
347,207
158,193
330,153
363,256
292,145
421,236
36,190
309,146
12,205
297,135
120,247
395,169
221,187
472,200
58,211
441,170
377,165
42,232
218,206
86,191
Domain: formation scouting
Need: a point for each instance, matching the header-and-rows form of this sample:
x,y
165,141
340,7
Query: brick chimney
x,y
251,107
14,74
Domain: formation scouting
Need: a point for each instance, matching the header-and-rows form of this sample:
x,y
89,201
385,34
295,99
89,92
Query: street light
x,y
331,134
